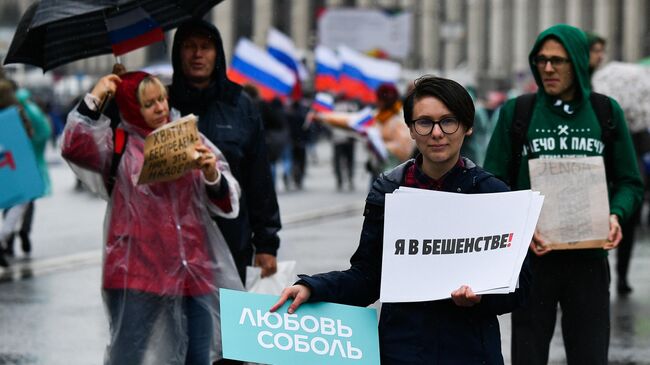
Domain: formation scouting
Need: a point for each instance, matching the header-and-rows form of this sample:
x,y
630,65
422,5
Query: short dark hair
x,y
452,94
594,38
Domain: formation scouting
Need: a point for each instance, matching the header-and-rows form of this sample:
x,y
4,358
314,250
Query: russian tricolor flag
x,y
282,48
251,64
376,143
328,69
362,119
132,30
363,123
323,103
361,75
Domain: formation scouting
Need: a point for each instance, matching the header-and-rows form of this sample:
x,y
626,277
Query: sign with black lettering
x,y
576,211
169,151
434,242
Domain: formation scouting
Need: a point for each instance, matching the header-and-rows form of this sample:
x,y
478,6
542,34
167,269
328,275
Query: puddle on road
x,y
17,359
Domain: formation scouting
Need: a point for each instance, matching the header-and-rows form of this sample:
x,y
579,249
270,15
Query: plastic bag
x,y
274,284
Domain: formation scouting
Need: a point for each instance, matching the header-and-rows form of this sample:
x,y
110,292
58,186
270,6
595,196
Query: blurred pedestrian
x,y
460,330
164,260
394,133
343,144
41,134
475,146
55,115
564,108
277,137
641,141
297,115
14,215
230,120
597,51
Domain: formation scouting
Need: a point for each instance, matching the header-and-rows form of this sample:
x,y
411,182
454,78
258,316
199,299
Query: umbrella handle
x,y
118,69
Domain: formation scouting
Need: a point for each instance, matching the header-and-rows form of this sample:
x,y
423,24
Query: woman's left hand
x,y
465,297
207,162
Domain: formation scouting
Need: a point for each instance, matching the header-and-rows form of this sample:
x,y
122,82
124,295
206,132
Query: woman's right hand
x,y
299,293
106,85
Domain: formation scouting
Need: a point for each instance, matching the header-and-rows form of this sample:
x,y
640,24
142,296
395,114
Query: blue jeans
x,y
134,313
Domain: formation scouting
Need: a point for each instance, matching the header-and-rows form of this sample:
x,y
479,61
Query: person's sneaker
x,y
623,288
9,246
3,260
26,244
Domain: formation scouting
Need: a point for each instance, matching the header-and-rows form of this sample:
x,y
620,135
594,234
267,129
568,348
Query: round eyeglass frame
x,y
433,125
556,61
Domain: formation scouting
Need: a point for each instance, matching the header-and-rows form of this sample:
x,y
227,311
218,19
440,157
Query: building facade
x,y
487,39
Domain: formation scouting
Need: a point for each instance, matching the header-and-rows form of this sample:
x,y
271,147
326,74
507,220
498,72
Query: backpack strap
x,y
119,143
604,113
523,113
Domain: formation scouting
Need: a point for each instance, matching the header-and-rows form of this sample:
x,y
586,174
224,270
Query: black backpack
x,y
524,111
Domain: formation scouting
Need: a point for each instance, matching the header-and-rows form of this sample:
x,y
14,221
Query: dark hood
x,y
575,42
185,97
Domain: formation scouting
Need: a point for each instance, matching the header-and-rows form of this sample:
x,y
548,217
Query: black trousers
x,y
581,287
624,249
344,161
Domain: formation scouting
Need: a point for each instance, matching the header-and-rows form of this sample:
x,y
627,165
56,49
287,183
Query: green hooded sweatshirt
x,y
560,129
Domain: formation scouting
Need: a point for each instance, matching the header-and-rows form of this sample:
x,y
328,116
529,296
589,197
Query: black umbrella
x,y
54,32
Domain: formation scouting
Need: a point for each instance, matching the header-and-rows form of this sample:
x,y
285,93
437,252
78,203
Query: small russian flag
x,y
281,47
361,75
376,143
328,69
132,30
362,120
323,102
251,64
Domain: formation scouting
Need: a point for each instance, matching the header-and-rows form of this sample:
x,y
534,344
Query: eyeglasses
x,y
424,126
556,61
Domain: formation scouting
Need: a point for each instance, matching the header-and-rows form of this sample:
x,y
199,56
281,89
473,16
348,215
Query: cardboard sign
x,y
434,242
169,151
20,179
317,334
576,211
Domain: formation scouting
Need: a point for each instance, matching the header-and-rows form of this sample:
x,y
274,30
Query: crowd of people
x,y
162,272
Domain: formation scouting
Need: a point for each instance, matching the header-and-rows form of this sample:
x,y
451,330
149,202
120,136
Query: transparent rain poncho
x,y
164,257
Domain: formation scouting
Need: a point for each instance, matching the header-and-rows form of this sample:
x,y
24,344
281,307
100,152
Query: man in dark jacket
x,y
229,119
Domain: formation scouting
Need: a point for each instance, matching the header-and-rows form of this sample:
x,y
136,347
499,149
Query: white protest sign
x,y
576,210
534,210
367,29
169,151
434,242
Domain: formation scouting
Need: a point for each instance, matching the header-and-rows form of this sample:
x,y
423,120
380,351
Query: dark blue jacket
x,y
436,332
229,119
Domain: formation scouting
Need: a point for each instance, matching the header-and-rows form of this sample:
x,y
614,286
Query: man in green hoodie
x,y
576,279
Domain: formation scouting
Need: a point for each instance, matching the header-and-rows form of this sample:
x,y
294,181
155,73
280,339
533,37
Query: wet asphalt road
x,y
50,305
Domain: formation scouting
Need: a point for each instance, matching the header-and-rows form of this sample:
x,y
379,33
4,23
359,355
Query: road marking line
x,y
28,268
